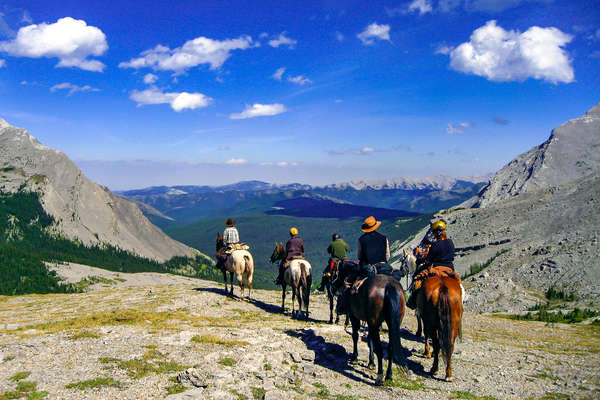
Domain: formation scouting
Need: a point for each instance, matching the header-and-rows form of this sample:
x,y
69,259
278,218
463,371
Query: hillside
x,y
133,336
82,210
535,225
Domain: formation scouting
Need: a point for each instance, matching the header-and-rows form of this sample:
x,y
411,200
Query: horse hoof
x,y
433,371
371,366
379,380
330,322
449,379
427,355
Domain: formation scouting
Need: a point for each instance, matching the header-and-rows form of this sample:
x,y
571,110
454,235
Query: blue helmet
x,y
335,236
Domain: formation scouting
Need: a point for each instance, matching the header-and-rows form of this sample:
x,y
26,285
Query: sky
x,y
143,93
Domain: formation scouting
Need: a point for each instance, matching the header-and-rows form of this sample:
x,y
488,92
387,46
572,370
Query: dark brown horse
x,y
380,298
439,302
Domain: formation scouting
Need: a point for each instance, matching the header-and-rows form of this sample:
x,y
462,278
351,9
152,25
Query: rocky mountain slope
x,y
84,210
150,336
535,226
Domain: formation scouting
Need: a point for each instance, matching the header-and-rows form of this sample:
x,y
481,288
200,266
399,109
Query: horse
x,y
298,275
239,262
439,302
409,264
332,293
379,298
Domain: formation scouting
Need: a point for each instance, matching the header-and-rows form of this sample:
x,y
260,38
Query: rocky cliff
x,y
82,209
536,225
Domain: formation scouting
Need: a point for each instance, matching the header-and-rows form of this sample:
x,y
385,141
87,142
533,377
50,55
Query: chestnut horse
x,y
439,301
379,298
239,262
299,276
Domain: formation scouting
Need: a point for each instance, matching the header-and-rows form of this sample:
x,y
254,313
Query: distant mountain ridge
x,y
82,209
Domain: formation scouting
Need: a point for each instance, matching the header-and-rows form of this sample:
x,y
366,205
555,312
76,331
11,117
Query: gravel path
x,y
134,334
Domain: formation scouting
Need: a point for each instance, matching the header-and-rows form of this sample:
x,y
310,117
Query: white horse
x,y
240,263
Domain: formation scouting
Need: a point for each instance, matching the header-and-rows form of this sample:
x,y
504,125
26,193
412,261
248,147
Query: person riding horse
x,y
440,254
294,249
337,249
231,236
429,238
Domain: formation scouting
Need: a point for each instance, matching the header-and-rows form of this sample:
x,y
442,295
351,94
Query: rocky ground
x,y
151,336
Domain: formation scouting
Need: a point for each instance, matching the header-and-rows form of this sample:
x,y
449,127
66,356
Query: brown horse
x,y
380,298
299,276
239,262
439,302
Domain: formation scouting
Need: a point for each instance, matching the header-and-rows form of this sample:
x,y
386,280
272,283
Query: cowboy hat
x,y
370,224
229,222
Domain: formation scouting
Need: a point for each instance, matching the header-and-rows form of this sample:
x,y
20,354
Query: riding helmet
x,y
335,236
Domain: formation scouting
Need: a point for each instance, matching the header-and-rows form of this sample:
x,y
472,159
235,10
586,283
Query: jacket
x,y
338,249
441,252
373,248
294,248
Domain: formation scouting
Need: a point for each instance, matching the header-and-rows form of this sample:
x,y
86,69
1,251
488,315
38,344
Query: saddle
x,y
434,270
288,262
236,246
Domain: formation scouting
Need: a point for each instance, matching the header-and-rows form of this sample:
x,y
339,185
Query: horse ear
x,y
404,252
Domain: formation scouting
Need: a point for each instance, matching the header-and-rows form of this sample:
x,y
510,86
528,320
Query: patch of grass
x,y
88,281
93,383
25,389
84,335
545,315
404,383
469,396
545,375
267,367
227,361
138,368
19,376
553,396
347,397
26,386
240,396
323,391
212,339
176,387
9,357
258,393
474,269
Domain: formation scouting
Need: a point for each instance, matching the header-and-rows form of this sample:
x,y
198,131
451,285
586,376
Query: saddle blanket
x,y
237,246
438,270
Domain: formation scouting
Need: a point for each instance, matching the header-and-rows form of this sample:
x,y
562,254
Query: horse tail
x,y
249,269
394,312
306,282
445,320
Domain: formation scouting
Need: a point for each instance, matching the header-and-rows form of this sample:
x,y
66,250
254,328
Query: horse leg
x,y
355,327
427,352
420,324
436,354
283,298
330,296
376,343
371,364
293,301
225,279
231,283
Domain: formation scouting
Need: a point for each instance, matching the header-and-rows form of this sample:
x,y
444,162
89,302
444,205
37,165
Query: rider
x,y
421,250
230,234
440,254
294,248
337,249
373,247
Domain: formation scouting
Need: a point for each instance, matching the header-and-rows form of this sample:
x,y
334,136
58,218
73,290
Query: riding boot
x,y
279,279
324,281
341,304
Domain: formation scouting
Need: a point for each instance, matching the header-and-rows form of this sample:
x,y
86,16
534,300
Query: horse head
x,y
409,261
278,253
220,244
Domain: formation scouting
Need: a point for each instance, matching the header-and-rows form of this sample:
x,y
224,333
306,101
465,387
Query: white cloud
x,y
178,101
283,40
236,161
259,110
456,130
70,40
299,80
283,164
360,152
339,36
149,79
278,74
422,6
443,49
373,32
489,6
73,88
201,50
501,55
223,148
263,35
2,63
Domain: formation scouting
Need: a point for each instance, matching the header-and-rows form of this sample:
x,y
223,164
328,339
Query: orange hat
x,y
370,224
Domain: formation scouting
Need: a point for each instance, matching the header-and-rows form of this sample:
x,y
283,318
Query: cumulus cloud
x,y
374,32
501,55
70,40
339,36
149,79
299,80
443,49
73,88
283,40
178,101
259,110
278,74
236,161
422,6
201,50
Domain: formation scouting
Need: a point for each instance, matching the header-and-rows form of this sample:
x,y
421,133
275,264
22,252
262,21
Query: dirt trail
x,y
132,335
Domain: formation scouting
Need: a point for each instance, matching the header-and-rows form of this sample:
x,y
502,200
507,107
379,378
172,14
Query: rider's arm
x,y
387,250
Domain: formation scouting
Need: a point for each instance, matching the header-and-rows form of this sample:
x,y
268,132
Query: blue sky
x,y
149,93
